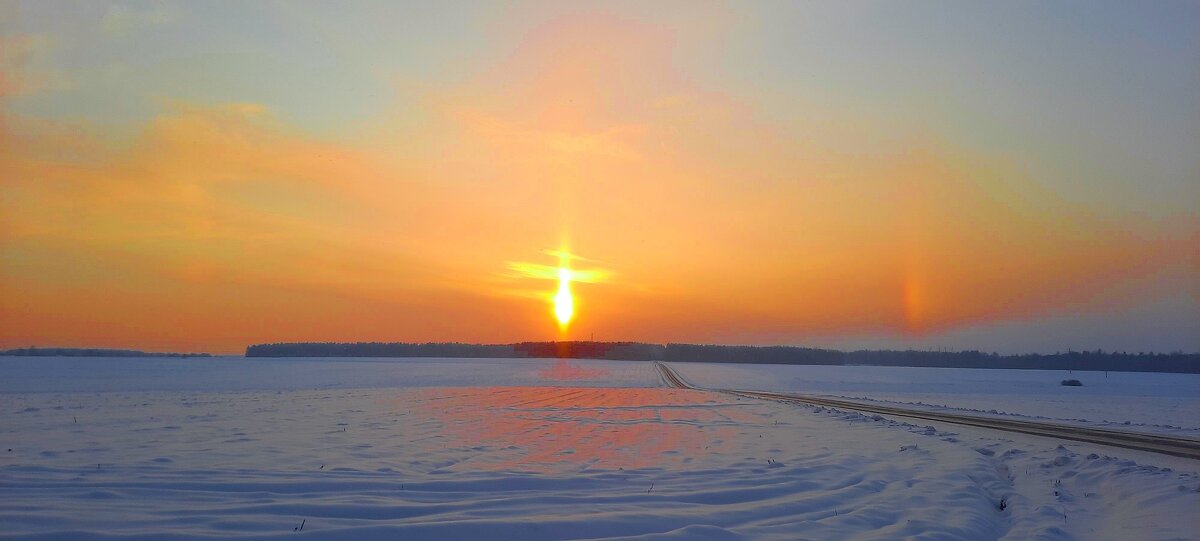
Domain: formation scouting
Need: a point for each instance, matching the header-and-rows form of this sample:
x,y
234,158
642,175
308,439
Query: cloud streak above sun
x,y
538,271
209,218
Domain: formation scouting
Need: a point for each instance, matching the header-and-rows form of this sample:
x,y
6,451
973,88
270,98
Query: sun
x,y
564,303
560,301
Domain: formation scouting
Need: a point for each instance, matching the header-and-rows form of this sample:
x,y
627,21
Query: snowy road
x,y
1156,443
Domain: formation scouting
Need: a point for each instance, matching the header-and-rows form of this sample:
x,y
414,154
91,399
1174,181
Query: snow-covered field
x,y
526,449
72,374
1161,403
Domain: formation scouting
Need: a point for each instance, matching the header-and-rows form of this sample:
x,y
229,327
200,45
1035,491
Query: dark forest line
x,y
92,352
637,351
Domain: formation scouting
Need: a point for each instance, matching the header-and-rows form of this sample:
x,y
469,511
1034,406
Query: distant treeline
x,y
92,352
380,349
574,350
636,351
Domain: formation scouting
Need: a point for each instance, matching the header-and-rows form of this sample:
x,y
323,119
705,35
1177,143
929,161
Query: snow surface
x,y
471,449
67,374
1151,402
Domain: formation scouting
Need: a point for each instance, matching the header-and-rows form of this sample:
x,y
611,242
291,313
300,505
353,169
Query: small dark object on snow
x,y
1072,383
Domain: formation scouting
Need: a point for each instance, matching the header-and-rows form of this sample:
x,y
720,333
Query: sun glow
x,y
560,300
564,303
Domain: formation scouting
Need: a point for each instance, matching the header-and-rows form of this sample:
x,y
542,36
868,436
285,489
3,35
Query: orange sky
x,y
706,215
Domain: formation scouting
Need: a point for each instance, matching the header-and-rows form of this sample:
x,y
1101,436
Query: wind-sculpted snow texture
x,y
552,454
55,374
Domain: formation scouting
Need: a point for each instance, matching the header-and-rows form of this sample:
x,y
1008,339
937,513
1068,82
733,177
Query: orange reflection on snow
x,y
565,370
563,428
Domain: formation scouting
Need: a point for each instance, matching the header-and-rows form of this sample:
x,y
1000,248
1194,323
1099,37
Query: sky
x,y
200,176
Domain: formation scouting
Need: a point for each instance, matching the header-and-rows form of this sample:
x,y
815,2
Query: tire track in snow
x,y
1163,444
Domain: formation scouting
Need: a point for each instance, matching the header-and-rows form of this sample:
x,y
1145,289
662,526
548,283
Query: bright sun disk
x,y
564,303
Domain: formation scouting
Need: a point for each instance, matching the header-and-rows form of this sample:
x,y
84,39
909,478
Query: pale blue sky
x,y
1097,98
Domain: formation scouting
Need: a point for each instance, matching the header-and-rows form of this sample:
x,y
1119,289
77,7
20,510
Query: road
x,y
1155,443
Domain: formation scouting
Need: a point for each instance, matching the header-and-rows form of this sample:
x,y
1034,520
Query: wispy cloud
x,y
537,271
25,68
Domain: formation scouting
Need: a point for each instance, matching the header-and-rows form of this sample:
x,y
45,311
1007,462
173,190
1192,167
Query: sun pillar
x,y
564,302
